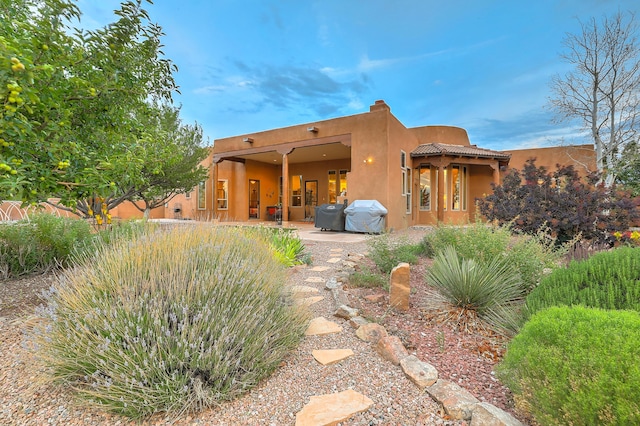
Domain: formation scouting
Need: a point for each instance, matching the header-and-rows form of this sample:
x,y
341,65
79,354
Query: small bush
x,y
286,245
491,289
40,243
576,366
173,320
530,255
477,241
368,279
607,280
387,254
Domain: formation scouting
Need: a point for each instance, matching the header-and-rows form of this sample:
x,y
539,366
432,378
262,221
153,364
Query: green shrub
x,y
387,254
477,241
491,289
40,243
368,279
286,245
173,320
576,366
607,280
530,255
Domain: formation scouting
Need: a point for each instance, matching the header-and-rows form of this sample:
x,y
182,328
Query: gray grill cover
x,y
365,216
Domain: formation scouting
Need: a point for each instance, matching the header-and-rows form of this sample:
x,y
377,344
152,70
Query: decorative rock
x,y
308,301
371,332
421,373
342,277
331,409
400,288
348,264
486,414
320,325
391,349
331,356
314,280
331,284
346,312
355,257
375,298
458,403
356,322
303,289
339,297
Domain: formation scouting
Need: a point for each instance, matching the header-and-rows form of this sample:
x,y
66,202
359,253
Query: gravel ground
x,y
397,401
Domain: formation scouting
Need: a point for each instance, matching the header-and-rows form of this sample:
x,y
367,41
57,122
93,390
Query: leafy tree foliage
x,y
173,153
568,205
82,114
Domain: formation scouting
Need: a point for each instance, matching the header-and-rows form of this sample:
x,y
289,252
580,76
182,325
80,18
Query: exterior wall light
x,y
312,129
247,140
369,160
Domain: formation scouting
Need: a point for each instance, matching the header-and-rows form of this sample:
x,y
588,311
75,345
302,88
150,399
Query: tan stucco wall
x,y
581,156
441,134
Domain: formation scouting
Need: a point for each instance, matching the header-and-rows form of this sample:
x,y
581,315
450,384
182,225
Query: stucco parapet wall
x,y
283,148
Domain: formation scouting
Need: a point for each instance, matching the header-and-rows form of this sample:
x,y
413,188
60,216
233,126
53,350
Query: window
x,y
406,180
222,194
425,187
296,191
337,184
342,181
458,187
333,185
202,195
407,185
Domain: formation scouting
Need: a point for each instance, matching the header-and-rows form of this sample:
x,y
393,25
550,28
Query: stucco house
x,y
422,175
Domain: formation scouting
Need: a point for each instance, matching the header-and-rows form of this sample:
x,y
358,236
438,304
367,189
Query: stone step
x,y
320,325
308,301
331,356
331,409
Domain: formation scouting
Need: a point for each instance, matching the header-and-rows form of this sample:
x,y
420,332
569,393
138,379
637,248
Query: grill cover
x,y
365,216
330,217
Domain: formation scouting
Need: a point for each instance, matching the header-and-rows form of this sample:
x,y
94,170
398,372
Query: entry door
x,y
310,198
254,199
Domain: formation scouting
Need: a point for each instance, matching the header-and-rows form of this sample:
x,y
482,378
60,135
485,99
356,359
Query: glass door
x,y
254,199
310,198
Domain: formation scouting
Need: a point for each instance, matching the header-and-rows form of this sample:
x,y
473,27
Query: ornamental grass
x,y
170,321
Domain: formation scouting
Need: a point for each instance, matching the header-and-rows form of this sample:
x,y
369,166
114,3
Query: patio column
x,y
496,173
285,183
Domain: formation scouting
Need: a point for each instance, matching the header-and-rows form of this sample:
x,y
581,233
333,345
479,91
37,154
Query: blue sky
x,y
252,65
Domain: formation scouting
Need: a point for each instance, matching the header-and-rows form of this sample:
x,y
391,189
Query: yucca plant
x,y
171,320
492,289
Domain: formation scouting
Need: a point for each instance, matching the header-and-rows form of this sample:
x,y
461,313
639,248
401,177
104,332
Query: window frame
x,y
202,195
226,192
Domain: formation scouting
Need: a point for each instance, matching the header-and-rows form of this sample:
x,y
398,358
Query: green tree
x,y
172,161
76,102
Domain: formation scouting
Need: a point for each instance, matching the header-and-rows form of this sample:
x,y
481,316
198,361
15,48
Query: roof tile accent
x,y
437,149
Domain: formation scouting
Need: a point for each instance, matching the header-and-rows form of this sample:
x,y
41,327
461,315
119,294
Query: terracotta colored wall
x,y
441,134
581,156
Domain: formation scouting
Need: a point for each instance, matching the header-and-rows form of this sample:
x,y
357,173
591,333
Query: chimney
x,y
379,105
